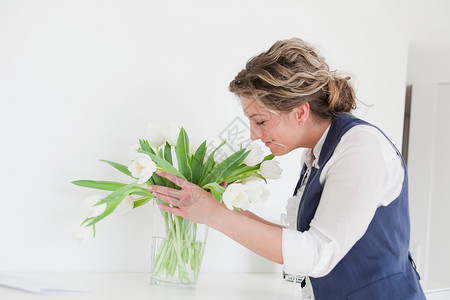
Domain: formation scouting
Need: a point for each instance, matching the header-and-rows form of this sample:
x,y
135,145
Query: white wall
x,y
439,240
79,80
428,167
429,75
420,168
429,63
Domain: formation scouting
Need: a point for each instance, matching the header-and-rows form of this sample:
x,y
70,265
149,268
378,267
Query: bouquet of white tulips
x,y
174,156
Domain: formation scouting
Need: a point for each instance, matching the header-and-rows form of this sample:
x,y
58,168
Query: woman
x,y
351,230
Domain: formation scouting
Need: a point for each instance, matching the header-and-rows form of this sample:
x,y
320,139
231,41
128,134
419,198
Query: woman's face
x,y
278,131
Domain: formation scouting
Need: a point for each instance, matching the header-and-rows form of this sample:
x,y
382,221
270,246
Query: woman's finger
x,y
175,179
164,190
190,196
170,210
224,183
166,198
187,196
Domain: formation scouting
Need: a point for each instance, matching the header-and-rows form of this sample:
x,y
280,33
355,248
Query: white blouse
x,y
363,174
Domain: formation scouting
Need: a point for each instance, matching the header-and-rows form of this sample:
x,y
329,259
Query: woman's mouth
x,y
267,144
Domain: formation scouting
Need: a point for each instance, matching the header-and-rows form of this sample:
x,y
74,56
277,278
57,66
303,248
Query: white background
x,y
79,80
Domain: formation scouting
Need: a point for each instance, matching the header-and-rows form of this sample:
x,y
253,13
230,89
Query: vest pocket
x,y
397,286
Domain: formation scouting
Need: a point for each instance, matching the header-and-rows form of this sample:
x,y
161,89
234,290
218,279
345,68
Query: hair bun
x,y
341,95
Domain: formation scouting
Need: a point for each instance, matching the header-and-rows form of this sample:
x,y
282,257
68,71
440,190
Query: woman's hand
x,y
192,202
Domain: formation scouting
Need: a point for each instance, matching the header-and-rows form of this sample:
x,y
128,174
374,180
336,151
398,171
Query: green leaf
x,y
114,199
216,190
168,153
268,157
182,152
156,179
210,163
141,201
146,146
121,168
197,163
223,169
244,168
239,171
99,185
230,179
137,190
244,171
111,204
120,192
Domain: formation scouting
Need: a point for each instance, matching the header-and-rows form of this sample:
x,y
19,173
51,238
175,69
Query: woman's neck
x,y
316,128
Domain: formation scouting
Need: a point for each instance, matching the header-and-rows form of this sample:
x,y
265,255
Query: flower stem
x,y
178,251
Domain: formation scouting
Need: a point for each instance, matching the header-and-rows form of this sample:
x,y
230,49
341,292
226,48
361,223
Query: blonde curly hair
x,y
290,74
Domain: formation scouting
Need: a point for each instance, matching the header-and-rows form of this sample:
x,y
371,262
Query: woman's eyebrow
x,y
253,115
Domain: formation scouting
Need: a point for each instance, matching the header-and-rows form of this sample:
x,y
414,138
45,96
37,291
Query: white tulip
x,y
255,156
171,132
92,209
257,191
194,143
155,135
125,206
270,169
142,167
236,195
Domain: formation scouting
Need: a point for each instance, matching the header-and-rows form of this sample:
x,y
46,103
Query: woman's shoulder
x,y
370,147
369,136
368,152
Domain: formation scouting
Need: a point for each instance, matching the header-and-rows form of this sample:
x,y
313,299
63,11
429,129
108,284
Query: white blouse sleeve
x,y
363,174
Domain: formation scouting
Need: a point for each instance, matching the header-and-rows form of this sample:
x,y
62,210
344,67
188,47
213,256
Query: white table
x,y
136,286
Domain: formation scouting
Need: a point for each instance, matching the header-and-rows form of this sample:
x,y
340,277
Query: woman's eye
x,y
259,123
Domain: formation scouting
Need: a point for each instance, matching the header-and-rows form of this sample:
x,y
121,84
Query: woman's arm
x,y
251,215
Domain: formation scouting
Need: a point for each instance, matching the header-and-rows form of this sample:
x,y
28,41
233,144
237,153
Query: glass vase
x,y
177,249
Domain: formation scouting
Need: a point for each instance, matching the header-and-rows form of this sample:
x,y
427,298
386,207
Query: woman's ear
x,y
301,113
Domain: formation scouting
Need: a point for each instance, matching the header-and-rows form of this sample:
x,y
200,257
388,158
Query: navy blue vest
x,y
379,265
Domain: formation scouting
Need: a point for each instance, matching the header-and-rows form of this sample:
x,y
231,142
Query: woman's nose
x,y
255,133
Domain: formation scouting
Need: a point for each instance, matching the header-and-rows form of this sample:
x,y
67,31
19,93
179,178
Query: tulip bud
x,y
125,205
155,135
255,156
194,143
236,196
142,167
270,169
257,191
171,132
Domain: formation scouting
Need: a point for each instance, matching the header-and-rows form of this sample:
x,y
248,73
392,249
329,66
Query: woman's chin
x,y
278,150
